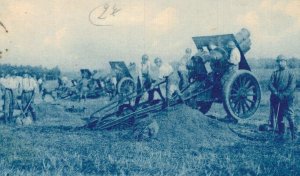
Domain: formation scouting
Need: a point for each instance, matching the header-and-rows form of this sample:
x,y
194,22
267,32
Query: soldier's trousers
x,y
282,109
183,79
9,103
27,102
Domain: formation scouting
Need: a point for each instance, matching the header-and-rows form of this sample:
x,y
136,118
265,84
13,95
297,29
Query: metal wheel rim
x,y
244,96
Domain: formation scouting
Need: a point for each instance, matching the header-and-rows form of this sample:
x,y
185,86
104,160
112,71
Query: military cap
x,y
281,57
231,44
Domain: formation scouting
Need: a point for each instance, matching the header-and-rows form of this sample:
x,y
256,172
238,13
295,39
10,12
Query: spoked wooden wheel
x,y
126,86
242,95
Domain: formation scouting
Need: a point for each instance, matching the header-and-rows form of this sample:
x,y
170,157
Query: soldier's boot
x,y
10,118
34,116
293,131
5,119
271,125
281,129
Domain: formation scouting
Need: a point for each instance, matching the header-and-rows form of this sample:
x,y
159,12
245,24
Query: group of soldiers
x,y
151,74
15,87
282,83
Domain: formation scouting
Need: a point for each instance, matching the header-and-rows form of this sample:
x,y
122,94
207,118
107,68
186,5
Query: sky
x,y
74,34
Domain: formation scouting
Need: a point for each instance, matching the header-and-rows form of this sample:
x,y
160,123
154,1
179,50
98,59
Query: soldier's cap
x,y
145,56
14,72
188,50
231,44
156,60
281,57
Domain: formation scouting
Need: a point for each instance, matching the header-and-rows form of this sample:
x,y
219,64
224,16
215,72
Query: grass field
x,y
188,143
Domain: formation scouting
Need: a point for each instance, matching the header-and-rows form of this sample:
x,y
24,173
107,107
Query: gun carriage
x,y
238,91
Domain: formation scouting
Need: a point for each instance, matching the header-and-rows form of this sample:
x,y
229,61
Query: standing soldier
x,y
234,56
282,86
144,72
29,89
160,72
83,84
182,69
144,80
12,89
40,82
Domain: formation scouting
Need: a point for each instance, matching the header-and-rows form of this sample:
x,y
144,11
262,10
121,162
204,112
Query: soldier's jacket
x,y
283,82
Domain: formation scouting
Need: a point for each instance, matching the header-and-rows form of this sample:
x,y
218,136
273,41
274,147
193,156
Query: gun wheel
x,y
126,86
242,95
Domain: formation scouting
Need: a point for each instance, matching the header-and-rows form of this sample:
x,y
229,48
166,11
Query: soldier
x,y
211,46
29,89
234,56
83,86
40,82
282,86
160,72
144,80
2,88
144,72
12,89
182,69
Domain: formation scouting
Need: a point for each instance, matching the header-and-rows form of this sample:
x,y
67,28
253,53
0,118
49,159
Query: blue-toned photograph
x,y
139,87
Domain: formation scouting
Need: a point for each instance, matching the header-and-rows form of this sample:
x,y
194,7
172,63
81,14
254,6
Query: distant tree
x,y
294,63
37,71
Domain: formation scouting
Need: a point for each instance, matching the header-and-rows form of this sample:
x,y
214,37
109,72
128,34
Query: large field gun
x,y
239,92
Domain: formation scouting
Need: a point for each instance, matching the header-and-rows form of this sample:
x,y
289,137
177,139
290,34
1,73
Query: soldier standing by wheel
x,y
234,56
233,61
282,86
29,89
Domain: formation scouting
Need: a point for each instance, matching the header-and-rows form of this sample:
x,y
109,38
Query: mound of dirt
x,y
189,127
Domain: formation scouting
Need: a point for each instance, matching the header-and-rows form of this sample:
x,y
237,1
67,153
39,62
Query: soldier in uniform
x,y
29,89
83,85
182,69
144,80
144,72
160,72
282,86
12,89
234,56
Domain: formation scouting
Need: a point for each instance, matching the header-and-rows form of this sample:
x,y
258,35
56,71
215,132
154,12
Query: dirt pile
x,y
189,127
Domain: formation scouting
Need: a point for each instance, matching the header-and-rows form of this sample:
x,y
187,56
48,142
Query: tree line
x,y
37,71
269,63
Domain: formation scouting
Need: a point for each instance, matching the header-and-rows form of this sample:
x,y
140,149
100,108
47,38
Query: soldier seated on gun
x,y
282,86
29,89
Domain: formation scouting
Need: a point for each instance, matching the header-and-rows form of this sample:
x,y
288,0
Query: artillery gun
x,y
239,91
